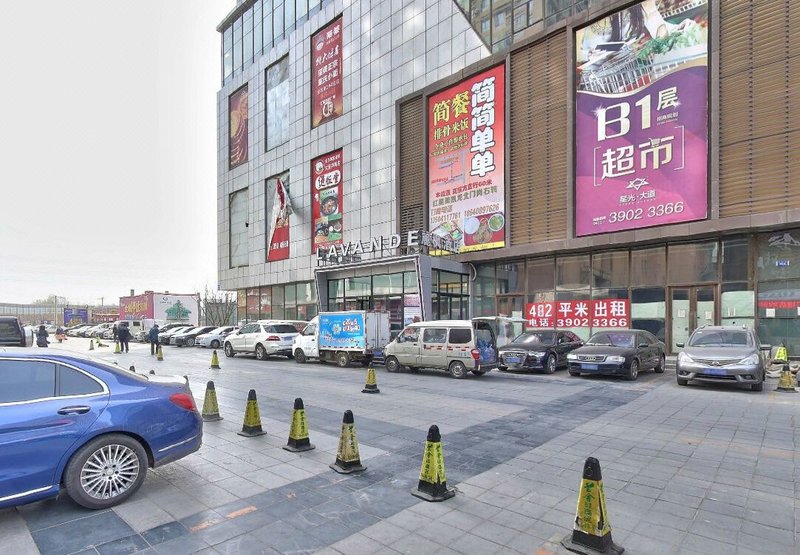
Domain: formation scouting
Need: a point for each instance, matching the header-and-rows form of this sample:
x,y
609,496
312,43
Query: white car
x,y
76,330
215,337
262,338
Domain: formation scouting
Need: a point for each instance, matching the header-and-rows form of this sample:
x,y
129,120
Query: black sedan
x,y
538,350
623,352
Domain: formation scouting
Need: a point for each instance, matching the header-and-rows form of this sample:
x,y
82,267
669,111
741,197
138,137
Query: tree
x,y
218,307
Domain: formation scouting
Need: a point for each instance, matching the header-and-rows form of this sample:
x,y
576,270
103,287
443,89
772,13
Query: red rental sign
x,y
326,73
598,313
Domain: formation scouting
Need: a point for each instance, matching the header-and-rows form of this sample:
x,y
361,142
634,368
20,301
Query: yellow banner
x,y
591,517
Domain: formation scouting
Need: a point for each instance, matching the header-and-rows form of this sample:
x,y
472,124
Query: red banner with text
x,y
326,73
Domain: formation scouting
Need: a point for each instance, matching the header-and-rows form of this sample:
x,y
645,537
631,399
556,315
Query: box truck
x,y
343,337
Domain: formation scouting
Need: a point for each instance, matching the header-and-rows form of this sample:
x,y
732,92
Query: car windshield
x,y
217,331
612,339
192,330
719,338
536,338
282,328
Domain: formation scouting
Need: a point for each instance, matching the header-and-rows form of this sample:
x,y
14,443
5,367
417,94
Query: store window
x,y
266,303
649,310
649,266
241,305
253,304
573,272
736,259
278,310
278,99
693,263
238,229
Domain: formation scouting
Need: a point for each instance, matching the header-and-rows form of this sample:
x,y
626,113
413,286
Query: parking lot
x,y
699,469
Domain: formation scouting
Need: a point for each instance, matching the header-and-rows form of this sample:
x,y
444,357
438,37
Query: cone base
x,y
786,389
368,390
610,549
447,494
217,367
211,418
251,433
349,469
299,449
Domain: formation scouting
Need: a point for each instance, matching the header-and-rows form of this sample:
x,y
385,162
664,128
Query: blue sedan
x,y
87,426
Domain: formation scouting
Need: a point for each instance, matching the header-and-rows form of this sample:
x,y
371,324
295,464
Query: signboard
x,y
326,73
466,171
136,307
75,316
176,308
326,200
237,136
598,313
342,331
641,133
353,250
278,232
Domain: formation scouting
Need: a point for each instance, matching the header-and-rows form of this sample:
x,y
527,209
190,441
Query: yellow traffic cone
x,y
781,355
371,385
786,382
298,431
159,354
215,361
591,531
91,344
210,408
432,478
347,458
252,419
116,348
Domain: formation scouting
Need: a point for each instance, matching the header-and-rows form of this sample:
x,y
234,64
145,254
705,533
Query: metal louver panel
x,y
411,167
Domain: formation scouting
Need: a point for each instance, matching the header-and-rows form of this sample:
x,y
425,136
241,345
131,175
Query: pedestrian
x,y
124,336
41,336
115,331
152,335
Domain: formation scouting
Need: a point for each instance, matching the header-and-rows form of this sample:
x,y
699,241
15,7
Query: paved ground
x,y
686,470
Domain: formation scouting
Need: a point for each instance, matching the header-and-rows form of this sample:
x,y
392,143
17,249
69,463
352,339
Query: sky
x,y
108,147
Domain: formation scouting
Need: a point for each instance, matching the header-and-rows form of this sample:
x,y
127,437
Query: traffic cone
x,y
132,369
347,458
298,431
214,361
432,479
116,348
252,419
152,372
91,344
786,383
210,408
159,354
591,532
781,355
371,385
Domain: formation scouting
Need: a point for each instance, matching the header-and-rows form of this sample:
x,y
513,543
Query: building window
x,y
649,266
247,41
278,103
238,228
237,45
693,263
266,24
227,53
258,39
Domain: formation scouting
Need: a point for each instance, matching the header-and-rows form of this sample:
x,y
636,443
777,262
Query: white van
x,y
457,346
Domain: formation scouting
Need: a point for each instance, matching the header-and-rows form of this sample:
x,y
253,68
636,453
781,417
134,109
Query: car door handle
x,y
78,409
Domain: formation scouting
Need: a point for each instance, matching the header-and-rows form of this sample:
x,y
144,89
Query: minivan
x,y
457,346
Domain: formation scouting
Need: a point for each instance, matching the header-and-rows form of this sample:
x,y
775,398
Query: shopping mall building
x,y
581,164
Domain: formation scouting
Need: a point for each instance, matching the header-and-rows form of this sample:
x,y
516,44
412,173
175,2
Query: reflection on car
x,y
618,352
545,350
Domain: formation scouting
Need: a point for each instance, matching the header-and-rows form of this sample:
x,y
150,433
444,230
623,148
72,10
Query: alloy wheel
x,y
109,472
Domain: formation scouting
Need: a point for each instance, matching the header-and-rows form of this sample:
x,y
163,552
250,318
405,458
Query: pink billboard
x,y
641,134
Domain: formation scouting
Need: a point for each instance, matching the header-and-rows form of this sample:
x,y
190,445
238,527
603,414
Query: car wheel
x,y
229,352
299,356
633,370
503,368
574,373
190,342
458,370
683,382
662,363
392,364
342,359
261,352
215,344
758,386
105,471
550,366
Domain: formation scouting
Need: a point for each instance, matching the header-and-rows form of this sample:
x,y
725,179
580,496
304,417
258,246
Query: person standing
x,y
115,331
152,335
124,336
41,336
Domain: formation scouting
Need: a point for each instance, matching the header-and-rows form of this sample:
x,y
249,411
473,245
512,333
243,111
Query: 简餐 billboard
x,y
641,132
326,200
466,161
326,73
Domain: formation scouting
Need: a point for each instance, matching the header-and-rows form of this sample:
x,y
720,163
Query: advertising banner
x,y
598,313
75,316
326,200
342,331
237,136
136,307
326,73
641,133
176,308
466,171
278,232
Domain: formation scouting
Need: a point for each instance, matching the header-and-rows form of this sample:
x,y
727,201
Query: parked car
x,y
165,337
544,350
264,338
94,330
14,334
214,337
723,354
188,337
76,330
618,352
457,346
91,428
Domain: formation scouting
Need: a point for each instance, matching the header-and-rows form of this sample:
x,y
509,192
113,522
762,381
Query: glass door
x,y
690,308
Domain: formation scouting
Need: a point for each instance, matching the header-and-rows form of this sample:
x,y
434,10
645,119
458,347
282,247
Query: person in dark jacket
x,y
41,336
152,335
124,335
115,331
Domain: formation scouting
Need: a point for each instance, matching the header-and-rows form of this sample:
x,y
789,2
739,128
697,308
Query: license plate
x,y
290,338
715,372
512,360
585,366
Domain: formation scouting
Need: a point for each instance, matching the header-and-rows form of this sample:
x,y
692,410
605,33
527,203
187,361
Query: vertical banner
x,y
641,132
326,200
237,135
278,232
326,73
466,171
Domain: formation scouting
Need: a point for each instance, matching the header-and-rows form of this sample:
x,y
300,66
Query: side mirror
x,y
680,345
765,347
642,346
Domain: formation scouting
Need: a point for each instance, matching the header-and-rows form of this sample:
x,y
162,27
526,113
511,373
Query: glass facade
x,y
238,229
293,301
